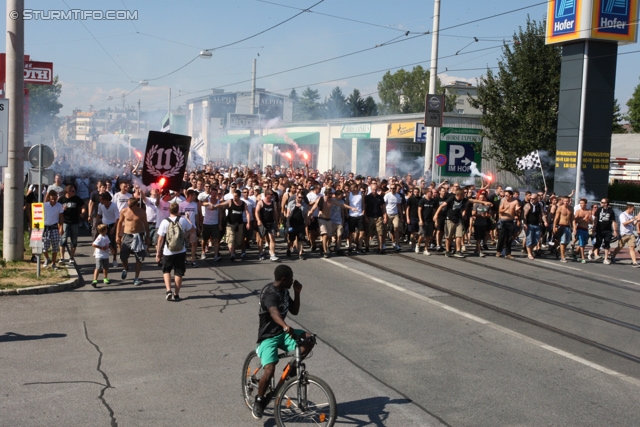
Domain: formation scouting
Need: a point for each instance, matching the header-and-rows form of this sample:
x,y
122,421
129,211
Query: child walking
x,y
101,254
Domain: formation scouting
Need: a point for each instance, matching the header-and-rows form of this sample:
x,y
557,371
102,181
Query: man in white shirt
x,y
122,197
172,260
628,223
190,210
53,220
356,218
211,226
393,202
108,214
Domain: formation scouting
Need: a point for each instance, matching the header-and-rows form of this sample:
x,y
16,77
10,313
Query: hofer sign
x,y
613,20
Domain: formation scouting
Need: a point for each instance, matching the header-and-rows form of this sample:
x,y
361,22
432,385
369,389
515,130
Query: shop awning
x,y
302,138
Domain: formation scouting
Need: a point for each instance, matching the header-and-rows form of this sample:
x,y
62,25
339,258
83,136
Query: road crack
x,y
107,383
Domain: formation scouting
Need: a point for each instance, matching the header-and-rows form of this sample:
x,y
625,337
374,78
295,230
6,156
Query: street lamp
x,y
206,54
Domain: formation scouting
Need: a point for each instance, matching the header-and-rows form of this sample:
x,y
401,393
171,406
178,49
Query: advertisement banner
x,y
271,106
566,20
460,147
615,20
165,159
401,130
243,121
356,130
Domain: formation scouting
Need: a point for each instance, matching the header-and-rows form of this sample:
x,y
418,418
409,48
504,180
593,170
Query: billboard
x,y
271,106
459,148
570,20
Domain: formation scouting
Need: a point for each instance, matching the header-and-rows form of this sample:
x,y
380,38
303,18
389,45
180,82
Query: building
x,y
463,91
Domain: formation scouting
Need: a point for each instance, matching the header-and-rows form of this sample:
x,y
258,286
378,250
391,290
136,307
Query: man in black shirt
x,y
274,333
411,216
605,226
73,208
426,210
375,216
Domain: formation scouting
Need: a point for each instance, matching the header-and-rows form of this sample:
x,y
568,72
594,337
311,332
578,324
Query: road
x,y
492,343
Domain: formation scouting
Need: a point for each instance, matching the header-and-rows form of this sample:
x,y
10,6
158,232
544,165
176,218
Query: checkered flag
x,y
530,161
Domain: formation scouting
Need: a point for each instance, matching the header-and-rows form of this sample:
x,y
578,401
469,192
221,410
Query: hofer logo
x,y
615,7
564,21
614,17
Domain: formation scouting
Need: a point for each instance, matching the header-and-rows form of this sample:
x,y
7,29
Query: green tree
x,y
617,127
355,104
44,106
335,105
405,91
634,110
308,106
520,102
370,107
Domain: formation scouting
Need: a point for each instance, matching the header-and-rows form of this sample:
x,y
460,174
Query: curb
x,y
72,283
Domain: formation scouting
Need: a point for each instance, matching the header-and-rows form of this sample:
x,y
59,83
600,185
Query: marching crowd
x,y
223,211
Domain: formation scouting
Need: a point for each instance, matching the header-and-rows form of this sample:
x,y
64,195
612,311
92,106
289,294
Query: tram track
x,y
510,313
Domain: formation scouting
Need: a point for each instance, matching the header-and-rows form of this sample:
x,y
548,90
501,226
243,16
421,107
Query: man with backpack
x,y
171,238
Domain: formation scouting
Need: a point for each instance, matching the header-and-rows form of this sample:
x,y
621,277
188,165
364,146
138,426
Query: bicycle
x,y
299,399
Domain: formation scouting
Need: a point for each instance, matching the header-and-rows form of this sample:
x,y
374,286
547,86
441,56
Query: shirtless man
x,y
132,234
582,219
562,223
324,218
507,213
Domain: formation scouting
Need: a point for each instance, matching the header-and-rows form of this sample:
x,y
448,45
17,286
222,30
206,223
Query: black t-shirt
x,y
297,219
429,208
441,201
454,208
73,206
373,205
604,219
95,198
270,296
413,202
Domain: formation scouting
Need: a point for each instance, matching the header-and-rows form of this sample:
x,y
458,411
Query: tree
x,y
370,107
355,104
308,106
520,102
335,105
44,106
405,91
617,127
634,110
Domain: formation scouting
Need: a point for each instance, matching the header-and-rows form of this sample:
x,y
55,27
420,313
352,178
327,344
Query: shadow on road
x,y
12,336
372,411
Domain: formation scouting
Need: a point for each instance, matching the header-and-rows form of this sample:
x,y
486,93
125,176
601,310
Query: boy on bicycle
x,y
274,334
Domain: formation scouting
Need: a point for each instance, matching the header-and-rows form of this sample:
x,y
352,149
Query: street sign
x,y
243,121
441,160
47,176
35,241
421,133
461,147
4,132
47,156
37,215
434,110
460,157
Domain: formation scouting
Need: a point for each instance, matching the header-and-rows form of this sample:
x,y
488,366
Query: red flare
x,y
138,154
162,181
305,155
288,155
489,178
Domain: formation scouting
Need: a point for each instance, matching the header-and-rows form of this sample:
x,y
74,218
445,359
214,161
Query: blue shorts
x,y
565,235
533,235
583,237
267,350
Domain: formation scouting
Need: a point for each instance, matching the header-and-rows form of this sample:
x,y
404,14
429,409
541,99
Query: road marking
x,y
482,321
566,266
591,273
629,281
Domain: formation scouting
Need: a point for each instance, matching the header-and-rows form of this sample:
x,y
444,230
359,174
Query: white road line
x,y
482,321
629,281
591,273
565,266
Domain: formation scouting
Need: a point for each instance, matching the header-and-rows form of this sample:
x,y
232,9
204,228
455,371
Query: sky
x,y
98,59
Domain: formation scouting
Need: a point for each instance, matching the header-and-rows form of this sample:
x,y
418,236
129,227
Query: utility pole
x,y
138,131
433,75
253,88
12,241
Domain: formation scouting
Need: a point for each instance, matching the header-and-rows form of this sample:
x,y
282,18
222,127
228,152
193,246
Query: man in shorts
x,y
267,218
582,218
132,235
73,210
53,220
172,260
274,333
191,211
562,225
628,223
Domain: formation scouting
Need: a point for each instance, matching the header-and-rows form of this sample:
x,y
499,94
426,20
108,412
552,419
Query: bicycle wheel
x,y
311,403
251,373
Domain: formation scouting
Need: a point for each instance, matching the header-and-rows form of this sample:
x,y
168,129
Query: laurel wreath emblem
x,y
175,170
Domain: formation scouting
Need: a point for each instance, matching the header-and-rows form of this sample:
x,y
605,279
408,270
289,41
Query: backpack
x,y
175,236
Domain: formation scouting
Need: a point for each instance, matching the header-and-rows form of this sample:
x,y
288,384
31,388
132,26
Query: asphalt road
x,y
395,352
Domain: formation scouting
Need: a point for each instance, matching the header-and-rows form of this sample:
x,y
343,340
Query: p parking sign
x,y
460,147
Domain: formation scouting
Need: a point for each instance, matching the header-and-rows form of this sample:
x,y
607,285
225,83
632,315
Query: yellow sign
x,y
37,215
401,130
614,20
590,160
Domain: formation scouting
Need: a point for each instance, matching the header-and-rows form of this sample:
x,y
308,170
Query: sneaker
x,y
193,264
106,281
363,250
481,254
325,255
169,296
260,256
302,257
458,255
124,274
72,262
115,263
426,252
485,247
243,255
597,257
635,265
613,259
498,254
176,297
273,258
417,249
447,254
61,263
258,407
94,283
432,246
589,254
563,260
463,249
203,256
397,248
217,258
137,282
45,264
55,267
606,262
583,261
440,248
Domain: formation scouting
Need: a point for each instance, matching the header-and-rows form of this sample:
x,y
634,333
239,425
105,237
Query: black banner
x,y
165,159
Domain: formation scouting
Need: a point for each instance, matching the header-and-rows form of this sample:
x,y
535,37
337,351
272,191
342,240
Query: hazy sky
x,y
96,59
